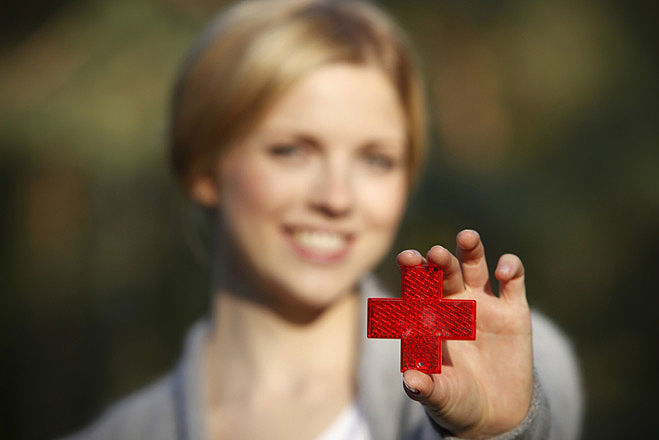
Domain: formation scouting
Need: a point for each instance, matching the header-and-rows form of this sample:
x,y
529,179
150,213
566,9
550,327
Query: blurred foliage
x,y
544,139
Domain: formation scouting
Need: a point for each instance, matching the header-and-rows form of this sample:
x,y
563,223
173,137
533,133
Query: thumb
x,y
432,392
423,388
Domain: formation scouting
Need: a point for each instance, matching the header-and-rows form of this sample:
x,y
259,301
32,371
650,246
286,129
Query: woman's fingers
x,y
510,273
418,385
471,254
410,257
453,282
430,391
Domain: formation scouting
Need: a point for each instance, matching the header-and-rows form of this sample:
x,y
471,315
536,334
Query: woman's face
x,y
312,198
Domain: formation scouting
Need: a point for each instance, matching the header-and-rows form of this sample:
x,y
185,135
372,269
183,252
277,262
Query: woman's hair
x,y
256,49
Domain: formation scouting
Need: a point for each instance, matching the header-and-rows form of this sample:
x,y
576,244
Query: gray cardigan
x,y
171,407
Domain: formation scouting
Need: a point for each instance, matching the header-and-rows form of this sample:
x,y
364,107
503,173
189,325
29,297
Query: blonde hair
x,y
256,49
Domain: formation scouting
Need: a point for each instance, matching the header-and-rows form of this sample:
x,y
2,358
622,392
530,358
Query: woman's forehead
x,y
353,100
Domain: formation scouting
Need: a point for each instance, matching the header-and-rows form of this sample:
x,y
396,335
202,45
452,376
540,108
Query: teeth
x,y
320,241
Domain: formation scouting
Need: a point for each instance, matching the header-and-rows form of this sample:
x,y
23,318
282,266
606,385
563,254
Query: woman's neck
x,y
253,347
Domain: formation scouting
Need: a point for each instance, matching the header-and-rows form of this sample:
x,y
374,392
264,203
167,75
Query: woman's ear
x,y
204,189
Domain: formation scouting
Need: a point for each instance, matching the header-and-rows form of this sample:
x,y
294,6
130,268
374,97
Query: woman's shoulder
x,y
167,409
147,413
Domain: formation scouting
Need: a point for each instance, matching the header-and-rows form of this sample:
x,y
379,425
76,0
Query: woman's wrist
x,y
535,424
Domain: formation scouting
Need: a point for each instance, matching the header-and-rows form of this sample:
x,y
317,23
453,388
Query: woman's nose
x,y
332,193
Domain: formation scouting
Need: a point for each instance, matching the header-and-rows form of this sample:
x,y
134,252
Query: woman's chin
x,y
301,304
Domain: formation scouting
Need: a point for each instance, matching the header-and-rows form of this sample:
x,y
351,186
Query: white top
x,y
350,424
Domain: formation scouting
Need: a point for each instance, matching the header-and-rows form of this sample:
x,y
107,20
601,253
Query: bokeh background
x,y
545,140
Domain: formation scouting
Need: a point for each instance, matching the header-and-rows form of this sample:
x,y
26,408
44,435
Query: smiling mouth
x,y
319,245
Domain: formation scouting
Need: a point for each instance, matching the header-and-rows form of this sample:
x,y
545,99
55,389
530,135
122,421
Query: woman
x,y
299,124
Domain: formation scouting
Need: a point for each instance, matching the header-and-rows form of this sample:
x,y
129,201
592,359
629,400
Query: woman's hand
x,y
485,385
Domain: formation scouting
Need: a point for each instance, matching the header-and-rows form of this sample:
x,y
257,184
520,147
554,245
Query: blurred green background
x,y
545,140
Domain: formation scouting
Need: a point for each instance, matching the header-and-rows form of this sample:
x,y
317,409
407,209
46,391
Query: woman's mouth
x,y
319,245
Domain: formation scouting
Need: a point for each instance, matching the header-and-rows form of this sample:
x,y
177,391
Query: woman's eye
x,y
286,150
380,161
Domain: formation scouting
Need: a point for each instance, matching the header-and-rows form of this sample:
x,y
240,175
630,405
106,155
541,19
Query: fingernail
x,y
504,269
410,389
413,252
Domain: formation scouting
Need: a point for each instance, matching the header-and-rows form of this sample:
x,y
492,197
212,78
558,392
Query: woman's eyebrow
x,y
306,138
387,141
384,143
288,135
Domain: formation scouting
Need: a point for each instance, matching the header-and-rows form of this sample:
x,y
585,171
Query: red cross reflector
x,y
421,318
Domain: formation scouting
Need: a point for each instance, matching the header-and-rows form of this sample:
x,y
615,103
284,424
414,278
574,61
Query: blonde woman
x,y
299,125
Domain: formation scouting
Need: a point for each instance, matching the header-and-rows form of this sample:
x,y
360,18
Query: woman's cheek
x,y
260,189
385,202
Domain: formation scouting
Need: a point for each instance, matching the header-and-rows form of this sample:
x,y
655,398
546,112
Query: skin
x,y
485,386
330,157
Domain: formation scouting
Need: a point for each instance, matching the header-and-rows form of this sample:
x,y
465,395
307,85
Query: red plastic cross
x,y
421,318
